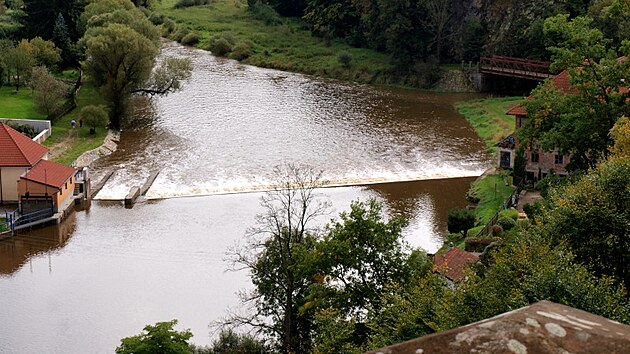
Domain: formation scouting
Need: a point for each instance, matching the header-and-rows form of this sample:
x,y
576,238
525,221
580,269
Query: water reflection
x,y
17,250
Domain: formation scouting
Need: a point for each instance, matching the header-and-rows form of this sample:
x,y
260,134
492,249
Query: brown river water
x,y
108,271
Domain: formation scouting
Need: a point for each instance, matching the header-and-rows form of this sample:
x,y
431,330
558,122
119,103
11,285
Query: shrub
x,y
221,44
510,213
506,223
157,19
94,116
168,26
460,220
497,230
533,209
265,13
344,58
25,129
188,3
179,34
242,50
191,38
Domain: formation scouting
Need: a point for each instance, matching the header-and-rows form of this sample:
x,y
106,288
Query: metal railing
x,y
33,217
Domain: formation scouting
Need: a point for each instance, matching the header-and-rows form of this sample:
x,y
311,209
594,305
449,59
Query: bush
x,y
533,209
180,34
509,213
221,44
157,19
230,342
191,38
506,223
460,220
344,58
168,26
25,129
242,50
265,13
188,3
497,230
94,117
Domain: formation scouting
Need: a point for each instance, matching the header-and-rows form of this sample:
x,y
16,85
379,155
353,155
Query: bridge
x,y
515,67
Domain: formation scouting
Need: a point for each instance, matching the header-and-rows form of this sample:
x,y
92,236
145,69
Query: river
x,y
107,271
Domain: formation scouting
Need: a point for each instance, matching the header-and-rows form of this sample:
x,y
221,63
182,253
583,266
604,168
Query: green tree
x,y
578,123
46,53
160,338
460,220
277,249
41,15
592,216
94,117
121,48
527,270
20,61
230,342
357,262
48,92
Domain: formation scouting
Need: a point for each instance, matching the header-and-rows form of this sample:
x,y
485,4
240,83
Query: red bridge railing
x,y
515,67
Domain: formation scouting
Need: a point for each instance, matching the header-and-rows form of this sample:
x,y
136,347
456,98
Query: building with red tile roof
x,y
18,154
19,150
48,179
453,263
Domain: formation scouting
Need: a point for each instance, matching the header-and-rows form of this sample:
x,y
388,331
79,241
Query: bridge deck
x,y
516,73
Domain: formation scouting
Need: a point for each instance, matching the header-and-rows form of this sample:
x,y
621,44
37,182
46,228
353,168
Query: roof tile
x,y
17,150
50,173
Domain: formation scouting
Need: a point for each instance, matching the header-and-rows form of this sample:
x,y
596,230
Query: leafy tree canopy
x,y
160,338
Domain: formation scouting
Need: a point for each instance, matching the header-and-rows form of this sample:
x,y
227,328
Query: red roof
x,y
49,173
18,150
452,263
517,111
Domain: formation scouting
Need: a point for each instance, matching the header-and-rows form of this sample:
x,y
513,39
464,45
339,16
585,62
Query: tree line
x,y
447,31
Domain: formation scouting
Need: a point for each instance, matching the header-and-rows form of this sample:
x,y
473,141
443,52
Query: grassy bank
x,y
285,46
65,143
488,118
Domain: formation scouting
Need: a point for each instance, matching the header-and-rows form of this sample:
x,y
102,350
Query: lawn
x,y
66,143
488,118
287,46
492,191
17,104
74,142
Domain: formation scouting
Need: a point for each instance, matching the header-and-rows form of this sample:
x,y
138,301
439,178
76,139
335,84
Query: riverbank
x,y
488,118
280,43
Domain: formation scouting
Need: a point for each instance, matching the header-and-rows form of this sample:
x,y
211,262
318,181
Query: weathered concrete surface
x,y
542,328
130,199
110,144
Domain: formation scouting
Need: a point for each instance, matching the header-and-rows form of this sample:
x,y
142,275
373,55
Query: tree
x,y
578,123
48,92
160,338
61,37
276,249
526,270
41,16
437,22
94,117
357,261
45,52
230,342
121,48
19,61
592,216
460,220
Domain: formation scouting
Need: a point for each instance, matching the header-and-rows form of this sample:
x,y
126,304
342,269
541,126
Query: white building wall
x,y
9,176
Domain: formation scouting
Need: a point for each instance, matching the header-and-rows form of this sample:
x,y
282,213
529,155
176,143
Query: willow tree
x,y
121,47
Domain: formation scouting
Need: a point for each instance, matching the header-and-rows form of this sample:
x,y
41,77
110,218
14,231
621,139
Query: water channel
x,y
107,271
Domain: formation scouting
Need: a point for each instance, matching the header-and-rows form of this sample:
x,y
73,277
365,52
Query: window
x,y
535,157
66,185
559,159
